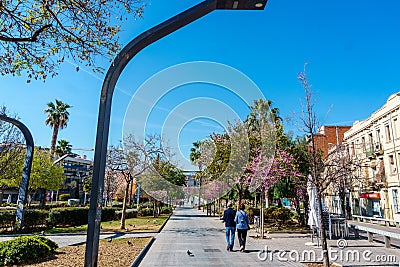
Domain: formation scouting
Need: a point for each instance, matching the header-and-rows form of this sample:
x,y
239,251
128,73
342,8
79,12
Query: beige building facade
x,y
374,145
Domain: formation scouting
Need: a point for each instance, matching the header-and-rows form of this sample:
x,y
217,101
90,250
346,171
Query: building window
x,y
371,141
392,165
363,143
388,135
395,130
396,207
353,152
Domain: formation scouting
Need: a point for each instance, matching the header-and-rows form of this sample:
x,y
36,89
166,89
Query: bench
x,y
371,231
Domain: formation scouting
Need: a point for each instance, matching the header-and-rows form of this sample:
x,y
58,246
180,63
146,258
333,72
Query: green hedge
x,y
68,216
75,216
166,210
145,212
7,218
23,249
274,214
64,197
49,206
108,214
129,213
35,218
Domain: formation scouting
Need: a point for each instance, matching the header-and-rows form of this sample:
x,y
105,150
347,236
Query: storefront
x,y
371,204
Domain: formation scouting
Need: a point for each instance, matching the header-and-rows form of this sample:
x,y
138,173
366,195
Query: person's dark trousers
x,y
242,234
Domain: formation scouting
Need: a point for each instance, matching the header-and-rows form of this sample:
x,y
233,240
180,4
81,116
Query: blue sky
x,y
352,48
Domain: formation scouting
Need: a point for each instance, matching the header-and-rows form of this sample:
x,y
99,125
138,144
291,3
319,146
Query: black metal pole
x,y
26,172
118,65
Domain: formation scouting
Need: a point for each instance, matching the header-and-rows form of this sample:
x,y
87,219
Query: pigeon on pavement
x,y
189,253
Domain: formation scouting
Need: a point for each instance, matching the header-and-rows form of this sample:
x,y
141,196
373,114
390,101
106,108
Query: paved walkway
x,y
190,229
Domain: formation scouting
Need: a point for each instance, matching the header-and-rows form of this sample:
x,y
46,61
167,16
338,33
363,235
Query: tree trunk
x,y
42,196
154,208
123,214
262,215
322,232
1,195
54,140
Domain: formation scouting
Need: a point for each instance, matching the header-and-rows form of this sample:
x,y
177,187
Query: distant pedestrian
x,y
230,226
242,225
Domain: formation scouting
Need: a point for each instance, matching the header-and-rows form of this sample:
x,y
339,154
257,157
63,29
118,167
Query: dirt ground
x,y
118,253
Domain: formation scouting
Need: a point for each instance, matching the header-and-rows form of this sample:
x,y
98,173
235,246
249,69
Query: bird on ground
x,y
132,225
109,240
129,243
189,253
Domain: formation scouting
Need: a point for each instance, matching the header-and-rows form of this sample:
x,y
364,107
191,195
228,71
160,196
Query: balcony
x,y
370,154
378,149
373,150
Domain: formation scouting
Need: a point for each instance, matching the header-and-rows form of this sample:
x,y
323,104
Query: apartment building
x,y
326,140
374,145
329,136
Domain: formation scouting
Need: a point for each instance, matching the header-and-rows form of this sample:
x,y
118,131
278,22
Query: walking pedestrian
x,y
230,225
242,225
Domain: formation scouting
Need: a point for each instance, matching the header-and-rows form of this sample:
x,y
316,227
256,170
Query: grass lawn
x,y
140,224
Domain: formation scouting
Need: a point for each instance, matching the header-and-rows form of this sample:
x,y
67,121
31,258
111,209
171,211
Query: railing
x,y
371,231
377,220
373,149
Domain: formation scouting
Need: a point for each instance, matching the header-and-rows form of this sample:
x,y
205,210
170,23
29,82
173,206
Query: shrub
x,y
166,210
64,197
282,215
268,213
108,214
130,213
7,218
54,205
35,218
146,205
25,248
253,212
73,216
145,212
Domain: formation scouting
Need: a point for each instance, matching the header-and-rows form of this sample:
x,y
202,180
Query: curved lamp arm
x,y
26,172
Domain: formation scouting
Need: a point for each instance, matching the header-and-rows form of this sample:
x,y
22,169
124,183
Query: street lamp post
x,y
103,123
26,171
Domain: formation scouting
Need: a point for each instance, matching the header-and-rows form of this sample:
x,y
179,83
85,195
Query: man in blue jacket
x,y
230,225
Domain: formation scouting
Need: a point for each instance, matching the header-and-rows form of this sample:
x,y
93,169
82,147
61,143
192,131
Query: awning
x,y
370,195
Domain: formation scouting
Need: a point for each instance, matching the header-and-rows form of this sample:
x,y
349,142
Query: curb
x,y
162,226
141,255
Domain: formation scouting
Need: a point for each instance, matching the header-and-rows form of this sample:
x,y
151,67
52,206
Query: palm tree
x,y
57,118
63,147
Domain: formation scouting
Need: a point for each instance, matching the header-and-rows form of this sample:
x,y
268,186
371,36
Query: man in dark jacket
x,y
229,219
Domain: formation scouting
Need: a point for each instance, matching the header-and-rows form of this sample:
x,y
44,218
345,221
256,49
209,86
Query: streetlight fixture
x,y
26,171
113,73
